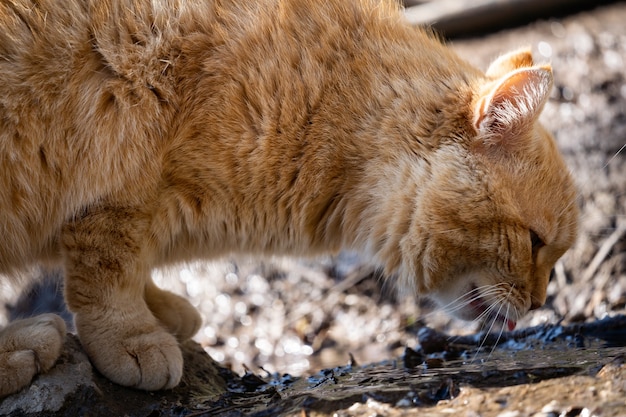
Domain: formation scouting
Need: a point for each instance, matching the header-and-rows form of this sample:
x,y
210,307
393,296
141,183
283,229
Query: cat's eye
x,y
536,241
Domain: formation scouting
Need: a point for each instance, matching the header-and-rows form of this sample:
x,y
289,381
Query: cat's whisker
x,y
463,300
461,304
486,313
614,156
493,348
476,294
501,301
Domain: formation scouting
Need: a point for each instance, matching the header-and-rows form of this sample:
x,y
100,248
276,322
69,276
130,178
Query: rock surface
x,y
599,395
74,388
580,370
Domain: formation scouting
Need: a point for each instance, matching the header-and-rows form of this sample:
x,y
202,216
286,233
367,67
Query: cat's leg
x,y
29,347
107,270
174,312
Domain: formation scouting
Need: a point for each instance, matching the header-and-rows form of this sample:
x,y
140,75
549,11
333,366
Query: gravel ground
x,y
297,316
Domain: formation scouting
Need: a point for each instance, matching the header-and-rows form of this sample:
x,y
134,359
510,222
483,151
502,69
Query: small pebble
x,y
412,358
432,341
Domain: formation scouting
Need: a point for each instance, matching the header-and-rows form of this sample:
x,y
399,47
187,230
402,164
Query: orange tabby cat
x,y
135,133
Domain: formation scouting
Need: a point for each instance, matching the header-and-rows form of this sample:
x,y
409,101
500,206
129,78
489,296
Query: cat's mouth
x,y
481,309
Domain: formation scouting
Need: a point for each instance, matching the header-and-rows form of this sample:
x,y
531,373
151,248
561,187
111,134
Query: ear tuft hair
x,y
512,104
521,58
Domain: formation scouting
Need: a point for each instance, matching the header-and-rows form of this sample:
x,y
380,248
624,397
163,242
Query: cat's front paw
x,y
174,312
132,353
29,347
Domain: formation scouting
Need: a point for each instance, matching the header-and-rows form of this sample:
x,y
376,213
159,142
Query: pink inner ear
x,y
513,89
514,103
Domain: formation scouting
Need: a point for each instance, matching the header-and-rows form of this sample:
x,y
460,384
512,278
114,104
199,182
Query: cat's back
x,y
38,41
36,54
86,96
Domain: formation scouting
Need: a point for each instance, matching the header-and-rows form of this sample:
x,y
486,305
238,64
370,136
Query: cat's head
x,y
501,208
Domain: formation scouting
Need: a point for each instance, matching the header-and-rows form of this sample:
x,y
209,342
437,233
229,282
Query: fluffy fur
x,y
135,133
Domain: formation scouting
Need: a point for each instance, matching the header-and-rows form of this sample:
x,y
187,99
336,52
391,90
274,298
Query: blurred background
x,y
298,316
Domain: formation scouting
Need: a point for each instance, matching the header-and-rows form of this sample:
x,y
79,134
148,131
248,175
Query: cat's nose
x,y
539,290
535,302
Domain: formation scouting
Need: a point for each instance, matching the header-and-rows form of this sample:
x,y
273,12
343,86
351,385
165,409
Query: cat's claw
x,y
149,359
158,361
27,348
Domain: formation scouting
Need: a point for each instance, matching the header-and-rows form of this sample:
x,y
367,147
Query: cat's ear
x,y
521,58
512,103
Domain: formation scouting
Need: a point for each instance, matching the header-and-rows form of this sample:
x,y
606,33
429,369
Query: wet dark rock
x,y
432,341
434,363
412,358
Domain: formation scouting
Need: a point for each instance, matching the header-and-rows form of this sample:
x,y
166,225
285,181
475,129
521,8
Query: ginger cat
x,y
136,133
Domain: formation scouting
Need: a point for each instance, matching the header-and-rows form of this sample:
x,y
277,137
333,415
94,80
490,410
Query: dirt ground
x,y
297,316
